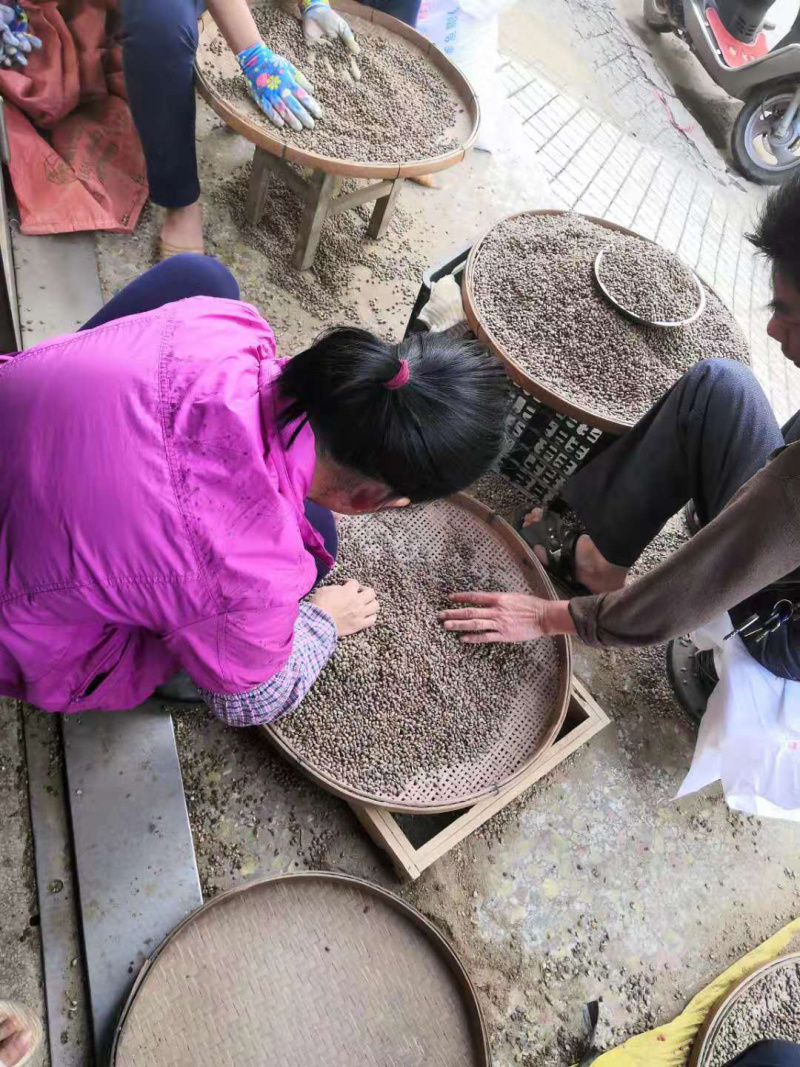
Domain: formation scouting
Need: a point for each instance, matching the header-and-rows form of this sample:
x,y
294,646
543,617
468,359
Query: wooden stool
x,y
321,200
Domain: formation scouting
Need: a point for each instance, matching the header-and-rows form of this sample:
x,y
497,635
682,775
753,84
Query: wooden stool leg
x,y
383,211
259,186
321,188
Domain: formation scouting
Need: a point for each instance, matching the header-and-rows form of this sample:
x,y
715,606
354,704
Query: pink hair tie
x,y
400,378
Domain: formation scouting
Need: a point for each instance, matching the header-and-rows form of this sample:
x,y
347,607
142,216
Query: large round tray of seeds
x,y
763,1005
412,112
531,295
313,969
405,716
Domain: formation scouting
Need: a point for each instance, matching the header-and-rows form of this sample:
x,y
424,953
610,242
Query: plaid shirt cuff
x,y
312,647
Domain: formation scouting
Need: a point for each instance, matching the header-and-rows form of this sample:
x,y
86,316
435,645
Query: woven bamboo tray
x,y
704,1042
515,371
303,970
538,709
242,115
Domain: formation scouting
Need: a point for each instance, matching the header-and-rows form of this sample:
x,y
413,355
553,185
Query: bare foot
x,y
182,228
592,569
15,1041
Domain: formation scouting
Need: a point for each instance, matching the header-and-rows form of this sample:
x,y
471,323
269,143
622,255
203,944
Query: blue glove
x,y
279,89
15,41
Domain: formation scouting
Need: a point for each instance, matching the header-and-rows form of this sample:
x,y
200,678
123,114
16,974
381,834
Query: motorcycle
x,y
729,39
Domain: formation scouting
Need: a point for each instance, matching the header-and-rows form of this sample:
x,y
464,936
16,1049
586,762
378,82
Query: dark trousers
x,y
159,42
405,10
768,1054
180,277
702,441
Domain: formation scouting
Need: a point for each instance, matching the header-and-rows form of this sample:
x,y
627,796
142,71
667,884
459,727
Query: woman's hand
x,y
279,89
352,607
506,617
320,21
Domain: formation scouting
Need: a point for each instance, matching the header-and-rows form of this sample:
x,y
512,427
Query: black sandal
x,y
691,518
559,543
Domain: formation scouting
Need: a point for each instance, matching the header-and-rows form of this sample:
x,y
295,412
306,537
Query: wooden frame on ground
x,y
585,718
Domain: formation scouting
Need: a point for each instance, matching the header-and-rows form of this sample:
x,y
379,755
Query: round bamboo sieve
x,y
244,116
537,710
515,371
303,970
704,1042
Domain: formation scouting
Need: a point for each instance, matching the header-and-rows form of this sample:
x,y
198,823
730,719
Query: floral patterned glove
x,y
15,41
280,90
320,20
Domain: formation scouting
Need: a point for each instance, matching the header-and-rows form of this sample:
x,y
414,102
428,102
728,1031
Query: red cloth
x,y
87,172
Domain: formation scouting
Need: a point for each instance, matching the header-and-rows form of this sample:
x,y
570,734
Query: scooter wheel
x,y
656,15
754,155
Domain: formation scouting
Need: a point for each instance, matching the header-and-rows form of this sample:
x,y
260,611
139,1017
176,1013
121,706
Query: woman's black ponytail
x,y
424,417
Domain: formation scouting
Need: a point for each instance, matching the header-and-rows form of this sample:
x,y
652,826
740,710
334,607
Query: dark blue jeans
x,y
159,41
193,275
768,1054
405,10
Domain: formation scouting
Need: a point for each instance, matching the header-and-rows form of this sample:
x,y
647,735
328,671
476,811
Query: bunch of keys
x,y
782,613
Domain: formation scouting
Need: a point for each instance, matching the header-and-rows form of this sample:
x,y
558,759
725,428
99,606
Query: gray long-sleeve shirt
x,y
754,542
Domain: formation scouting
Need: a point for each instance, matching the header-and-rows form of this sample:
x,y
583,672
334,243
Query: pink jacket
x,y
151,514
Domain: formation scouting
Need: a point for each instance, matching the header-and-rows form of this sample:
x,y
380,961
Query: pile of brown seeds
x,y
406,697
649,281
769,1008
501,495
534,288
401,109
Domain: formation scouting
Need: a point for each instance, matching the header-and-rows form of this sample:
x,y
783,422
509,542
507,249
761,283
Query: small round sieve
x,y
698,311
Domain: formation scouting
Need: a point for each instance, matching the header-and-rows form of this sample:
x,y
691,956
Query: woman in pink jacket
x,y
167,484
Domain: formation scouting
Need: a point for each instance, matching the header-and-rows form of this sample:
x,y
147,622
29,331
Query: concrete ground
x,y
596,883
20,948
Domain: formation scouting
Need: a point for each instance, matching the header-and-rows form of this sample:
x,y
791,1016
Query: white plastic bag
x,y
749,737
467,33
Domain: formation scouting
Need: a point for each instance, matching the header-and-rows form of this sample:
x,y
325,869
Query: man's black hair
x,y
435,435
777,233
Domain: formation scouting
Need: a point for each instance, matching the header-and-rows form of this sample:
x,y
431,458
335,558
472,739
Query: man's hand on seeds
x,y
506,617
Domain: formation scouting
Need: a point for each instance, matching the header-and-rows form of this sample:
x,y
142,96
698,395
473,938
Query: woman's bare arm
x,y
236,23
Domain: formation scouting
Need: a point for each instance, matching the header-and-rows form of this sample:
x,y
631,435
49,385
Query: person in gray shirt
x,y
712,440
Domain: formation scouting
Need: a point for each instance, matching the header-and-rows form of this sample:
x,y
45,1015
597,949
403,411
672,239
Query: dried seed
x,y
768,1009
